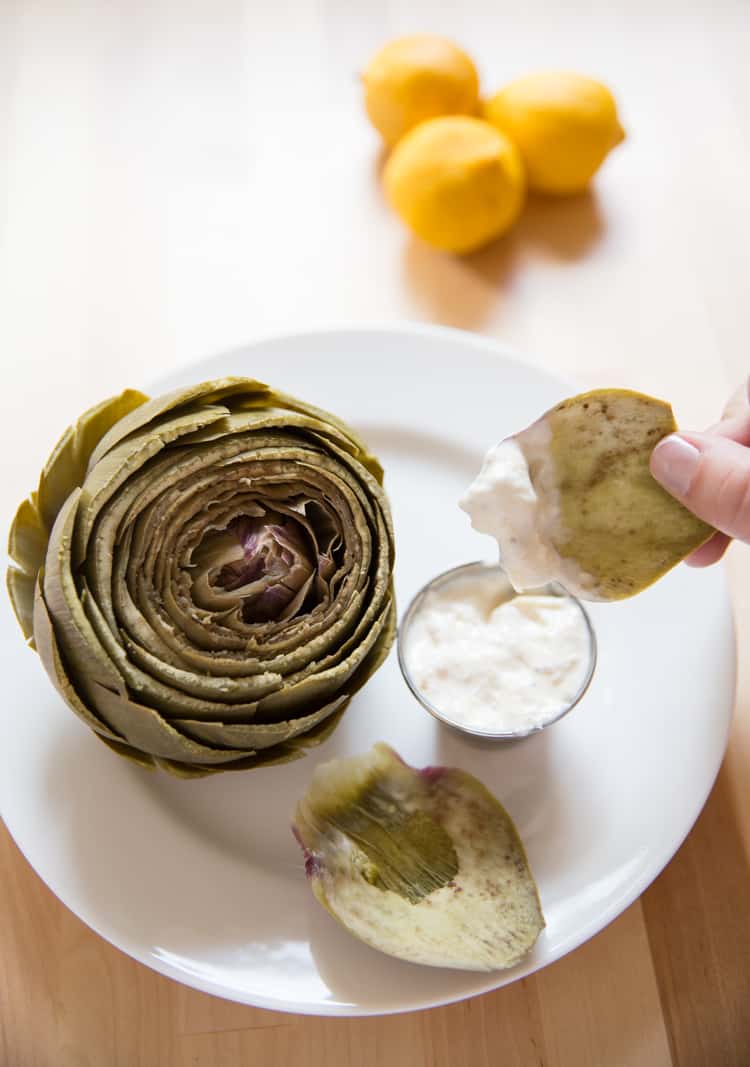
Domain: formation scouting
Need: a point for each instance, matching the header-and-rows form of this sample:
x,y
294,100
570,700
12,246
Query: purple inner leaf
x,y
273,565
269,564
240,572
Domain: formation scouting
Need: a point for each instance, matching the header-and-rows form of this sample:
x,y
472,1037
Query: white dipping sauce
x,y
494,661
502,501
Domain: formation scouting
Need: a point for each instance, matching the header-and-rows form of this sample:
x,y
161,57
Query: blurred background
x,y
179,177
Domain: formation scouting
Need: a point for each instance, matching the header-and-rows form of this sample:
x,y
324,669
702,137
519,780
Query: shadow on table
x,y
462,290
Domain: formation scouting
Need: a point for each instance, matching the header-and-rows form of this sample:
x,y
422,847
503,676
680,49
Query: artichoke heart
x,y
207,576
425,865
585,510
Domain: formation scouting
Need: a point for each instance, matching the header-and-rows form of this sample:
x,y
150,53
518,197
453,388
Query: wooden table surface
x,y
179,176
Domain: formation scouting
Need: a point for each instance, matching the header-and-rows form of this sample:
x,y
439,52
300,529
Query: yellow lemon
x,y
415,78
564,125
456,181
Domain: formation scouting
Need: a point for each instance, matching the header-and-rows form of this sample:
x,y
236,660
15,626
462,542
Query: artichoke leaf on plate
x,y
425,865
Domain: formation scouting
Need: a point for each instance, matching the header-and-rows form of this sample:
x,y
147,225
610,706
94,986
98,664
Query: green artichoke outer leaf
x,y
257,735
361,452
294,748
63,472
51,656
617,523
20,587
147,730
125,459
27,541
206,394
423,865
66,467
149,763
593,517
213,572
315,687
88,661
380,650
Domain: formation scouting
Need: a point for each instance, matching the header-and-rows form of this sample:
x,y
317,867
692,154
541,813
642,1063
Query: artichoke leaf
x,y
21,587
217,661
207,393
382,592
267,419
617,523
133,754
51,657
63,472
147,730
423,865
65,469
379,652
221,689
27,540
85,654
268,472
373,491
121,462
361,452
272,757
170,702
257,735
287,752
315,687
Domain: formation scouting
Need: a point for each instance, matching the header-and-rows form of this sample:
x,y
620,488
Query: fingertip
x,y
710,552
674,463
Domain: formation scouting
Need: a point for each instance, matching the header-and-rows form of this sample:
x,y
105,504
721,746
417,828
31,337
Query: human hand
x,y
710,474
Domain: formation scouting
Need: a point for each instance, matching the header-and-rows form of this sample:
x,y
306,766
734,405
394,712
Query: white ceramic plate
x,y
202,880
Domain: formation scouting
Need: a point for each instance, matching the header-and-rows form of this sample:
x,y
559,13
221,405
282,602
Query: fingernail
x,y
674,463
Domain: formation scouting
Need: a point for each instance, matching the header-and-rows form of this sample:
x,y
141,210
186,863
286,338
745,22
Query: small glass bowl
x,y
480,568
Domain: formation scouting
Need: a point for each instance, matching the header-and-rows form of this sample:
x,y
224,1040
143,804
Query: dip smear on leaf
x,y
581,506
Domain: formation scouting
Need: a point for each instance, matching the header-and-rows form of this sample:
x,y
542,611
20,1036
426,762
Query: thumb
x,y
710,475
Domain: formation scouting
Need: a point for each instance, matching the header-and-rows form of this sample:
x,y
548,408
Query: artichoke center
x,y
263,564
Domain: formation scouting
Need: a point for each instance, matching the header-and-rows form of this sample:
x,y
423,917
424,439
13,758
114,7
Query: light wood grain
x,y
179,176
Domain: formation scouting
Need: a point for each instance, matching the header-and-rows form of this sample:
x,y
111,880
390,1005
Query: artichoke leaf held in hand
x,y
571,498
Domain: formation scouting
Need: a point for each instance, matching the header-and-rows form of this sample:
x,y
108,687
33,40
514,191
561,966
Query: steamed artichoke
x,y
207,576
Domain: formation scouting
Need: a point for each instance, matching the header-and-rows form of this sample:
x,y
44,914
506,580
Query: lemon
x,y
564,125
415,78
456,181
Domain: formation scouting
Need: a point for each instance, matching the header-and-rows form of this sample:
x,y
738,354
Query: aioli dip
x,y
502,502
493,661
